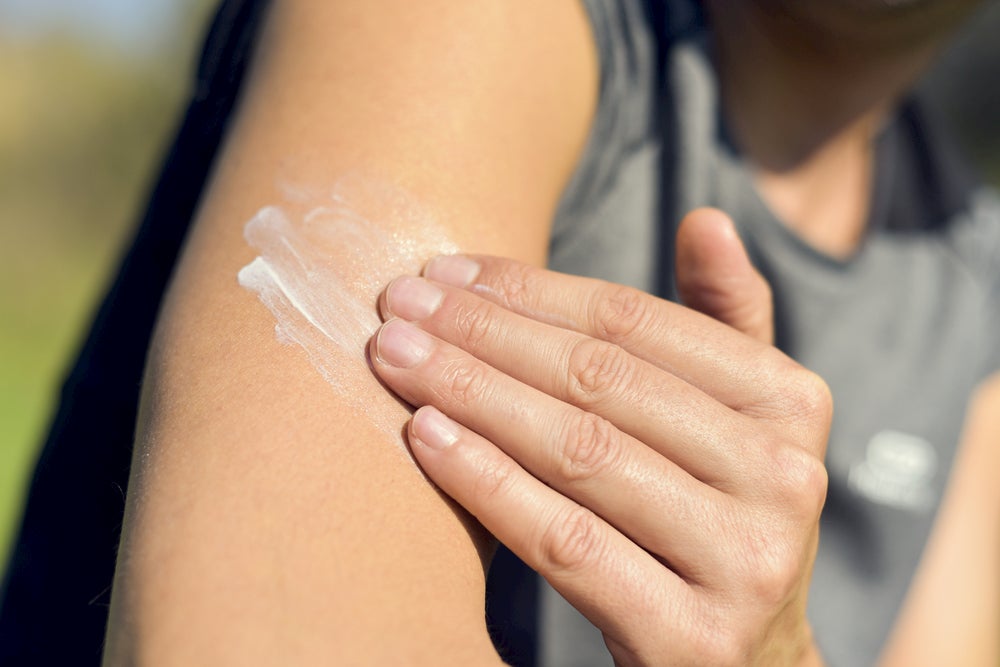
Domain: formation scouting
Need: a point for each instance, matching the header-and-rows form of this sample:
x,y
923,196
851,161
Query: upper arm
x,y
273,513
952,610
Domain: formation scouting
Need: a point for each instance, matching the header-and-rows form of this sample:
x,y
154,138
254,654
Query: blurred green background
x,y
89,94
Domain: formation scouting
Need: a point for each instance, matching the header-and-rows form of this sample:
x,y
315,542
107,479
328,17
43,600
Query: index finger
x,y
737,370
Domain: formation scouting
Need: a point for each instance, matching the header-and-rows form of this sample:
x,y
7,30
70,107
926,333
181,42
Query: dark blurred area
x,y
964,87
83,125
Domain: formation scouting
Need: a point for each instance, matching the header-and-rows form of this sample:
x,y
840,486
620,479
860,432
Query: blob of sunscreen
x,y
322,262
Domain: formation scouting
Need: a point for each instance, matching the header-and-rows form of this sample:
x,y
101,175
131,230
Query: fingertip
x,y
454,270
706,234
372,348
432,429
384,311
716,276
401,344
714,218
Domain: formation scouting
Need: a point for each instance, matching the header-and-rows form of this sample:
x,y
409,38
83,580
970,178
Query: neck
x,y
804,95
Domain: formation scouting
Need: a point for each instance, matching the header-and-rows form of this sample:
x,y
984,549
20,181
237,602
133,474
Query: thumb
x,y
715,276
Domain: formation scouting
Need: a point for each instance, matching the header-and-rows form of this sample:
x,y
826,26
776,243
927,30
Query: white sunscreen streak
x,y
320,274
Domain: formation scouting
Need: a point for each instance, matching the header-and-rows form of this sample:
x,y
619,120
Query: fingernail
x,y
400,344
434,429
413,298
453,270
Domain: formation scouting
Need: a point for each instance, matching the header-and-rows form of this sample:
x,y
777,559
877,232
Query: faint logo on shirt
x,y
898,471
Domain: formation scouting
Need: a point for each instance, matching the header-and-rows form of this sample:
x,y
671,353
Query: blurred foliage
x,y
82,127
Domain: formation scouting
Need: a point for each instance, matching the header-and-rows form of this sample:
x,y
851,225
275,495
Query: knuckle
x,y
777,582
512,284
815,398
805,396
494,483
571,541
473,322
771,538
794,395
590,448
773,568
465,382
621,313
802,483
597,370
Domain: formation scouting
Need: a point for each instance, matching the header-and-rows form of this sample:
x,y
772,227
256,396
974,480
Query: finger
x,y
616,585
648,403
733,368
715,276
644,495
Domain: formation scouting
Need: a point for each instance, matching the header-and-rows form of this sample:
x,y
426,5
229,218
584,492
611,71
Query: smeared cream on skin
x,y
323,261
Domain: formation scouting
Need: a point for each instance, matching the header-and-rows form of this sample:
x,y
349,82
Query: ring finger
x,y
618,586
645,495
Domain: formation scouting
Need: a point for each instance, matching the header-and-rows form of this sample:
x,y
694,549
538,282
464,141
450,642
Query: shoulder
x,y
273,506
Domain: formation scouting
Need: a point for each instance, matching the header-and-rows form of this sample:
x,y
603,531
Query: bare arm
x,y
952,612
274,515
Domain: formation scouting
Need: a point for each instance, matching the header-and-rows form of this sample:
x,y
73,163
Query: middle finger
x,y
650,404
644,495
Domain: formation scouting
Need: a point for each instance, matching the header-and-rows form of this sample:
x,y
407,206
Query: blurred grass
x,y
82,127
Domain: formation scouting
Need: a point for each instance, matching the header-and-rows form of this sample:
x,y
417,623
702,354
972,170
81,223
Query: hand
x,y
661,469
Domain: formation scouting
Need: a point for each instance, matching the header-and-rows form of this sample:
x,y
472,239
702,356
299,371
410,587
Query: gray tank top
x,y
902,331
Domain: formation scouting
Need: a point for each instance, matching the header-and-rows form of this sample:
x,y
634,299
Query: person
x,y
660,465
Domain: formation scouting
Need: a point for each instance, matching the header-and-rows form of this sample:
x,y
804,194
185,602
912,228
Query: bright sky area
x,y
125,23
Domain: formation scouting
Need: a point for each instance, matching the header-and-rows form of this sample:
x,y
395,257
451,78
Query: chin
x,y
886,19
